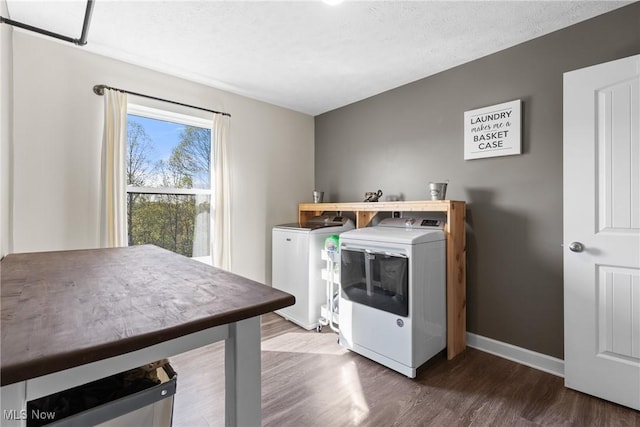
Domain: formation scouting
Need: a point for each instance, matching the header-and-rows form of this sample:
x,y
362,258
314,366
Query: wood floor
x,y
309,380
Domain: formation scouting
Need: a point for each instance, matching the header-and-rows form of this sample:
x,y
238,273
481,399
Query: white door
x,y
602,230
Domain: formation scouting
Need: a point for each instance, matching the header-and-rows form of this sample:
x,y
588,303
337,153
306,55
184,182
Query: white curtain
x,y
201,228
221,245
113,221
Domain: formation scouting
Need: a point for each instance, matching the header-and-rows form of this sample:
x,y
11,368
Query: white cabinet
x,y
297,269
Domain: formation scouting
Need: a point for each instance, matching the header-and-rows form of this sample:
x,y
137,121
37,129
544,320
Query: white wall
x,y
57,136
6,65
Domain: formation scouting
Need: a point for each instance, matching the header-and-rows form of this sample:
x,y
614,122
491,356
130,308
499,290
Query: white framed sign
x,y
493,131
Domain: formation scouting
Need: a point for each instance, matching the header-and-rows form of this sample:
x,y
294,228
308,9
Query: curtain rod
x,y
80,42
99,90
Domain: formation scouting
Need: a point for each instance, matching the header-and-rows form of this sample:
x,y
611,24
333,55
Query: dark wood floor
x,y
309,380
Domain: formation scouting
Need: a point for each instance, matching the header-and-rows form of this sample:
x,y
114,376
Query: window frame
x,y
153,109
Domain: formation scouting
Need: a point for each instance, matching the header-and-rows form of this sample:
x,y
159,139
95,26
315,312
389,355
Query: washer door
x,y
376,278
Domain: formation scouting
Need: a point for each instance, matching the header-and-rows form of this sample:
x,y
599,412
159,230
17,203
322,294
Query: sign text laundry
x,y
492,131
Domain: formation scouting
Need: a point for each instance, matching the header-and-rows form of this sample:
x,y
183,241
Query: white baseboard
x,y
520,355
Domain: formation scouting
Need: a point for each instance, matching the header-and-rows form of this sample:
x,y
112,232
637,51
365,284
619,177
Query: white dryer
x,y
297,265
392,301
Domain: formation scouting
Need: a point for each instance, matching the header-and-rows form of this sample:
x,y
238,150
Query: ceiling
x,y
304,55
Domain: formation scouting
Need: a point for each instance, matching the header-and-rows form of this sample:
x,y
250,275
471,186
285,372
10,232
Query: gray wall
x,y
400,140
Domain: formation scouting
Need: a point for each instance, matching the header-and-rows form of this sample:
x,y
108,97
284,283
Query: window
x,y
168,171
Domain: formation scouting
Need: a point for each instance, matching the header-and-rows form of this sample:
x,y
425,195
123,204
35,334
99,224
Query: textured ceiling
x,y
304,55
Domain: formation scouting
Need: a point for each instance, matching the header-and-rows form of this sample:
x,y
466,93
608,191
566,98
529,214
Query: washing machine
x,y
297,265
392,300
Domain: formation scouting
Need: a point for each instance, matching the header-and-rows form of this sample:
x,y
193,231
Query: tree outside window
x,y
169,185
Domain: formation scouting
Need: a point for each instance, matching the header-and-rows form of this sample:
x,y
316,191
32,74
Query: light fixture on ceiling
x,y
332,2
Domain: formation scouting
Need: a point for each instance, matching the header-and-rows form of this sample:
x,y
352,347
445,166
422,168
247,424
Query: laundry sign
x,y
492,131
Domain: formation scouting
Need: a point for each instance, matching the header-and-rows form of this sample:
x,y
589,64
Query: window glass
x,y
177,222
169,184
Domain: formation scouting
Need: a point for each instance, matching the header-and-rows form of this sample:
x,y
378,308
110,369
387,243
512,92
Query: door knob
x,y
576,247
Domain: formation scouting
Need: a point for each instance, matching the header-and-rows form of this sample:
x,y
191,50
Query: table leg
x,y
243,374
14,405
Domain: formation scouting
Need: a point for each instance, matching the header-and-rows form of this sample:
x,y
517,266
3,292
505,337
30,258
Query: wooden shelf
x,y
456,251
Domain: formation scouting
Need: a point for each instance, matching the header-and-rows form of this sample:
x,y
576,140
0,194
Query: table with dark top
x,y
71,317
